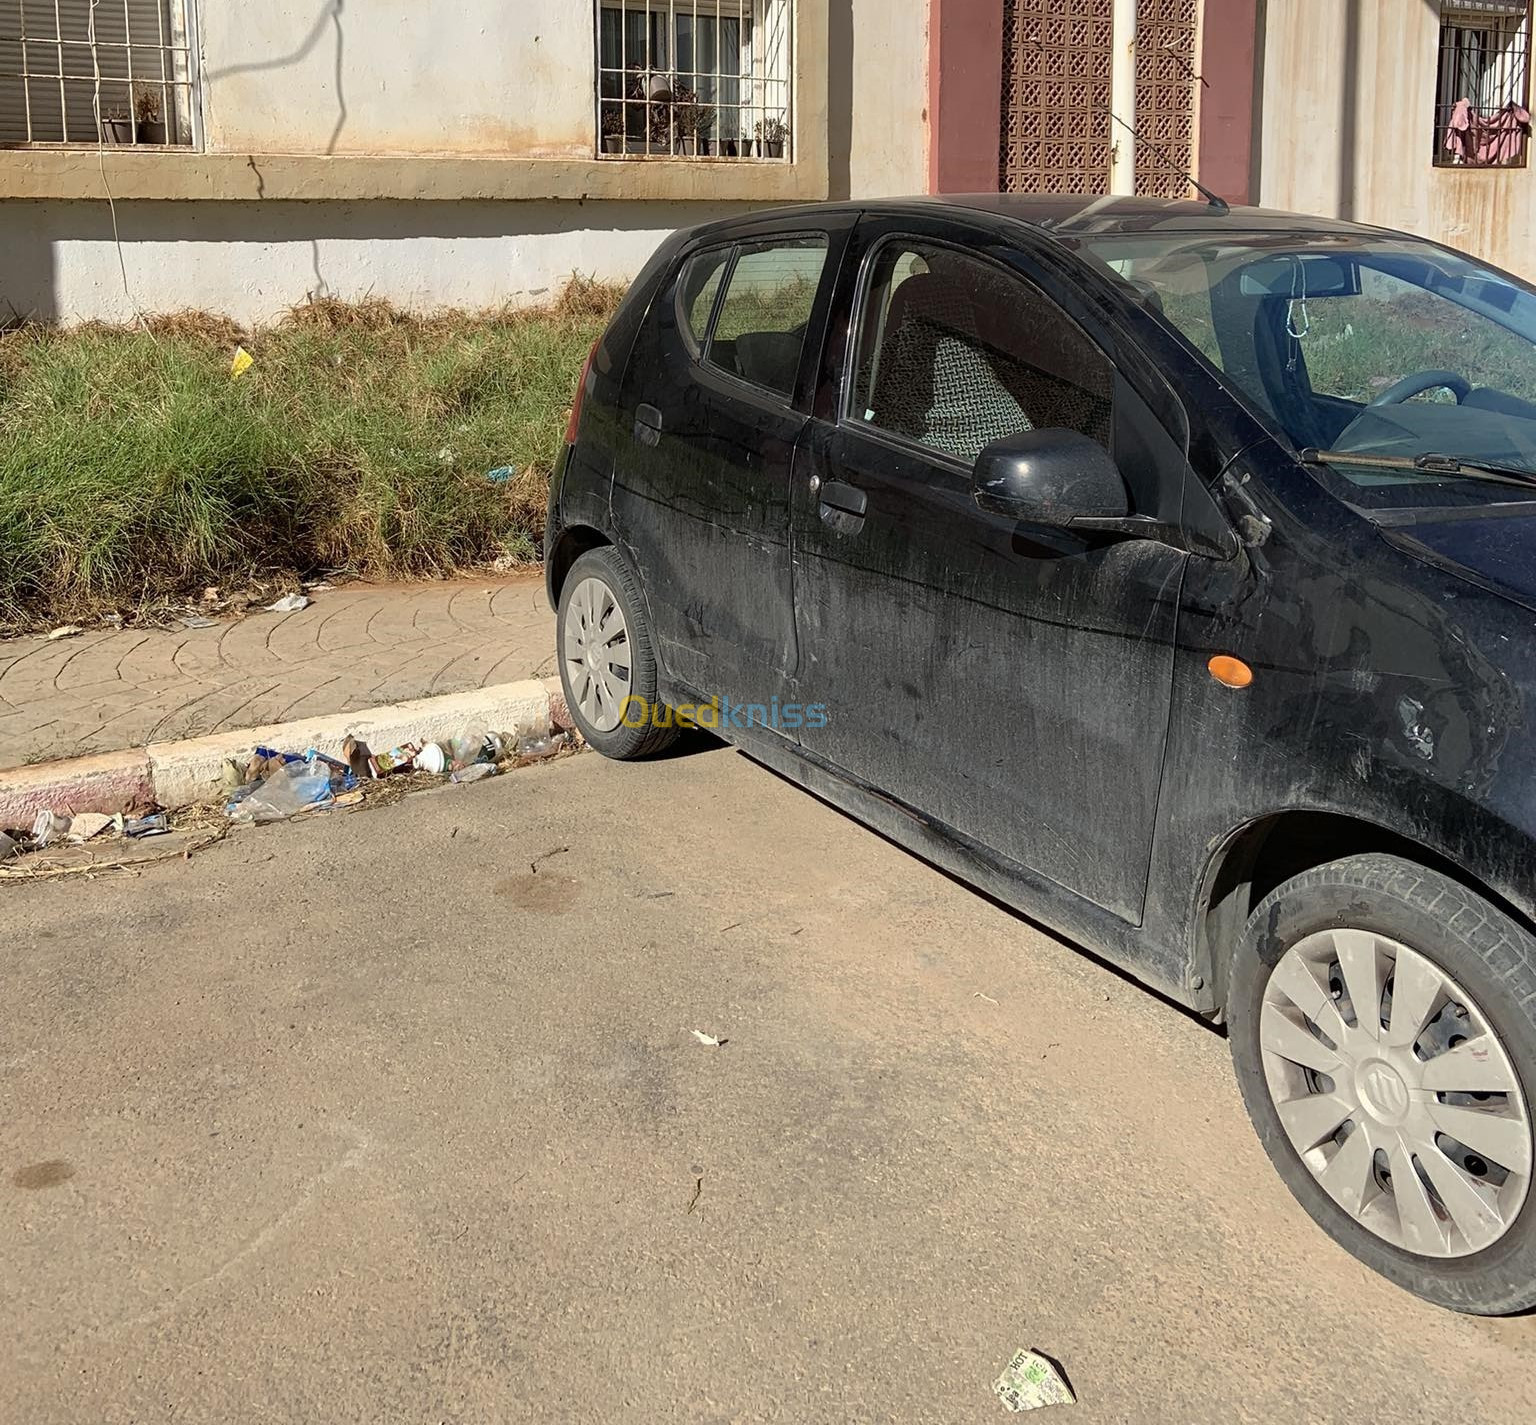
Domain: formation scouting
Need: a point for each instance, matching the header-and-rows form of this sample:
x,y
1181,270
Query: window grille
x,y
695,78
97,71
1482,86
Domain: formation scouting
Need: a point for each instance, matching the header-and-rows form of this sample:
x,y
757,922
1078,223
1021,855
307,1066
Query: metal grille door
x,y
1166,79
1056,96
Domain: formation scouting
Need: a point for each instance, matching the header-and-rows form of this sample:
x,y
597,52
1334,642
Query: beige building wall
x,y
887,73
324,125
1349,130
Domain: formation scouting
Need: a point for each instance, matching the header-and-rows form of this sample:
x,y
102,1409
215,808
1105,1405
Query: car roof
x,y
1080,215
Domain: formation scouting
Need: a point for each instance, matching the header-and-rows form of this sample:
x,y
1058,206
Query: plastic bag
x,y
293,788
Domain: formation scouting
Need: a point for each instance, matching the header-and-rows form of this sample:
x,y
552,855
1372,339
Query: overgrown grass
x,y
132,467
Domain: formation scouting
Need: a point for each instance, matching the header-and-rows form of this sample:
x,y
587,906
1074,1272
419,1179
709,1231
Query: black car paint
x,y
1392,671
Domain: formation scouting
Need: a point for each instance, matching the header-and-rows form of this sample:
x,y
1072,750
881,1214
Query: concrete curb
x,y
179,774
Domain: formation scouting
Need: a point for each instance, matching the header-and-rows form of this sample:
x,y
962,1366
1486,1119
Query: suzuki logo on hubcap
x,y
1382,1091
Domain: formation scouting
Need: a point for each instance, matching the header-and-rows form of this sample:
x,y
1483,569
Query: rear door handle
x,y
847,498
648,425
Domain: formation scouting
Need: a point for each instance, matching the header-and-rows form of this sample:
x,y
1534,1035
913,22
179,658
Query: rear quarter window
x,y
697,289
770,293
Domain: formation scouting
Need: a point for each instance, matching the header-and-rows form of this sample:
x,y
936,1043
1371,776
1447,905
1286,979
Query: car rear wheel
x,y
607,664
1383,1023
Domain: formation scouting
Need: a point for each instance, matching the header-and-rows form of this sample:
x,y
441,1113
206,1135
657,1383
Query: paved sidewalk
x,y
355,647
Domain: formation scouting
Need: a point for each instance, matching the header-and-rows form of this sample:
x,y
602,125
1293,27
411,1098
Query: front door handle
x,y
848,498
648,425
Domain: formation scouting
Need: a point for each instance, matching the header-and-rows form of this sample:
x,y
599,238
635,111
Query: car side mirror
x,y
1049,477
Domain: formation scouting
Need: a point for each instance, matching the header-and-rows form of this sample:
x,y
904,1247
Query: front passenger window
x,y
768,299
956,352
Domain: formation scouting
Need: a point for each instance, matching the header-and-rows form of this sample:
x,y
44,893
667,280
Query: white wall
x,y
253,261
1348,130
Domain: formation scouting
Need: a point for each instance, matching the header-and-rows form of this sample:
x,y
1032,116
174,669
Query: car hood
x,y
1496,550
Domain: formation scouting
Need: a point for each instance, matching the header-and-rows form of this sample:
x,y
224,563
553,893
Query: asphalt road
x,y
368,1119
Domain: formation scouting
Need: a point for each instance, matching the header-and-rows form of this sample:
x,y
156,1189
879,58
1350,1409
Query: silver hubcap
x,y
1395,1092
595,645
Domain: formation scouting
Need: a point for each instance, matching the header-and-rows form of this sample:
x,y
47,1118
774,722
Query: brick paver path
x,y
354,647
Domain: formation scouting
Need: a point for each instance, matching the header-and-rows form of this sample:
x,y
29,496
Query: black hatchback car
x,y
1167,572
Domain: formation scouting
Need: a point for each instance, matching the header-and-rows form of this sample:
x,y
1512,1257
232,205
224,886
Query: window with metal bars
x,y
695,78
97,72
1482,88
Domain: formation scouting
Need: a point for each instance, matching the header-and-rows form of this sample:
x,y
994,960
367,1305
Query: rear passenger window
x,y
768,299
955,352
696,293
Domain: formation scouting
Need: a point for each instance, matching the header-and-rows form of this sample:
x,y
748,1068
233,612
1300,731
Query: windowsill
x,y
165,174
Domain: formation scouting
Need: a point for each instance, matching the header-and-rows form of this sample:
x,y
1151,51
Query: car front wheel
x,y
1383,1025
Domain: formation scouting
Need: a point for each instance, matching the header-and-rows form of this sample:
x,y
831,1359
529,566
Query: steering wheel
x,y
1421,381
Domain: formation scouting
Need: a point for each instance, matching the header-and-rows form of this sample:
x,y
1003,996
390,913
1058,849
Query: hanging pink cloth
x,y
1486,143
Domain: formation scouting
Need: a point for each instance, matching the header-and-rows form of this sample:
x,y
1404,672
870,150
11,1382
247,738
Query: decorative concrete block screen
x,y
1057,131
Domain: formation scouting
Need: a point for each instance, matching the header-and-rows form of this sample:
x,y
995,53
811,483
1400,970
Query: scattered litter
x,y
156,824
708,1040
319,586
988,998
501,474
241,364
397,759
1030,1381
87,825
48,828
537,747
294,787
198,621
69,630
9,846
472,745
358,758
432,759
289,604
475,772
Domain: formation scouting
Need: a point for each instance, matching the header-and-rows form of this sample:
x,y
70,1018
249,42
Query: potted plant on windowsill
x,y
142,123
772,134
691,123
613,128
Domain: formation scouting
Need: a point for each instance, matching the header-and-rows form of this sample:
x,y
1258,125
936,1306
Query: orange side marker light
x,y
1230,672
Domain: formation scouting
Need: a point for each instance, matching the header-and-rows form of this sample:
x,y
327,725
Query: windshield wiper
x,y
1429,464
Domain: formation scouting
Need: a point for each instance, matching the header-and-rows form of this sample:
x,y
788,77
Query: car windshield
x,y
1356,344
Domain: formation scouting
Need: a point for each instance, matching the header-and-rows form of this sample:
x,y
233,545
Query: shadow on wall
x,y
840,99
27,286
255,259
329,17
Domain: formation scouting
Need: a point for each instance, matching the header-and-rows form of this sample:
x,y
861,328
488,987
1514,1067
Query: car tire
x,y
599,586
1390,927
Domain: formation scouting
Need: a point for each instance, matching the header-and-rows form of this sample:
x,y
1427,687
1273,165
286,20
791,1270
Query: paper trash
x,y
1030,1381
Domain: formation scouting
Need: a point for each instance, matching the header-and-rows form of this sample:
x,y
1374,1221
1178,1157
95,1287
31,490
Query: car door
x,y
701,494
1010,682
